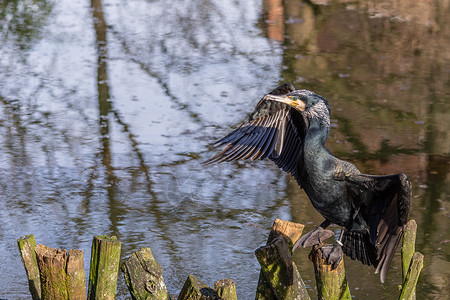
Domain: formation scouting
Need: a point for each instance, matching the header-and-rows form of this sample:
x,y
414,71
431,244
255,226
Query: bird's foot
x,y
332,253
314,237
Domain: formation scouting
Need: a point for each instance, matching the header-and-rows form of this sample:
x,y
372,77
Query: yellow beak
x,y
297,104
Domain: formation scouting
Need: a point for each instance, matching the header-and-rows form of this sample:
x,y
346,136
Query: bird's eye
x,y
294,98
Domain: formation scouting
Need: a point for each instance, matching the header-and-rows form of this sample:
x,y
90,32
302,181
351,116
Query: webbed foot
x,y
314,237
332,253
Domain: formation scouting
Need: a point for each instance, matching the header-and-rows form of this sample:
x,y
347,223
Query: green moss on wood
x,y
143,276
226,289
412,276
76,279
196,289
104,267
290,232
280,272
408,246
52,266
27,245
331,284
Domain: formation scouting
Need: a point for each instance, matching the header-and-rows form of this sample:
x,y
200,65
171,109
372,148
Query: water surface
x,y
107,109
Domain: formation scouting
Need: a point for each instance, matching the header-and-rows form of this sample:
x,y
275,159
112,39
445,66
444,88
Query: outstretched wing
x,y
382,204
274,130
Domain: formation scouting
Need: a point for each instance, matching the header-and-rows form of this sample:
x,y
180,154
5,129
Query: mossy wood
x,y
76,279
196,289
264,289
331,284
52,268
143,276
280,271
408,249
27,245
291,232
226,289
104,267
412,276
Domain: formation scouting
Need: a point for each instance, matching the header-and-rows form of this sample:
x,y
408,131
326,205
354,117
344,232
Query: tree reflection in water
x,y
107,109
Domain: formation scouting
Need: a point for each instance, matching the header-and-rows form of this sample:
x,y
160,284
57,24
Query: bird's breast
x,y
328,196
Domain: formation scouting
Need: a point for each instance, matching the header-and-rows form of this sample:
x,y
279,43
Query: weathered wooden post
x,y
279,277
226,289
412,262
61,273
104,270
143,276
409,286
292,231
408,249
53,273
26,245
52,268
76,279
331,284
196,289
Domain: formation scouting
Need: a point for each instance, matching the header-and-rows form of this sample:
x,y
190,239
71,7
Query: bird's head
x,y
307,103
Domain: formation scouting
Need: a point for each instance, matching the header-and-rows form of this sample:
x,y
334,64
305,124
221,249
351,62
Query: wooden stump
x,y
331,284
62,274
280,271
52,268
104,269
143,276
275,257
408,249
264,289
27,246
196,289
409,286
76,279
291,232
225,289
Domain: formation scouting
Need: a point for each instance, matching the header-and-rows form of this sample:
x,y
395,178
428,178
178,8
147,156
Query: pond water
x,y
107,109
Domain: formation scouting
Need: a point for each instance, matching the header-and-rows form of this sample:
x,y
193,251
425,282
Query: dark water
x,y
106,114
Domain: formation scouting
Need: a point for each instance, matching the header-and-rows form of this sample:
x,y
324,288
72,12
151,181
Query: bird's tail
x,y
357,245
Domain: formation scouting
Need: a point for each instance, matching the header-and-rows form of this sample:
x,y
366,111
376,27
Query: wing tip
x,y
283,89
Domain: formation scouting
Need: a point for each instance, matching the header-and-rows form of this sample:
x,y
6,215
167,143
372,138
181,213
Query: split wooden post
x,y
292,232
143,276
408,249
409,285
62,274
279,277
26,245
196,289
76,279
104,269
412,262
52,268
331,284
225,289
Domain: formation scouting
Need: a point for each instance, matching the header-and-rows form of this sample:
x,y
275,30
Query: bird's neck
x,y
316,135
317,158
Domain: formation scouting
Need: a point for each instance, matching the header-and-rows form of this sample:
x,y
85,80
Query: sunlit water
x,y
106,115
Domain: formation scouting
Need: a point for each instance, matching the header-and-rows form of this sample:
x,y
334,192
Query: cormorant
x,y
290,128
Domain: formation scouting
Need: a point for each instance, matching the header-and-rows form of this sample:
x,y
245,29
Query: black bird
x,y
290,128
